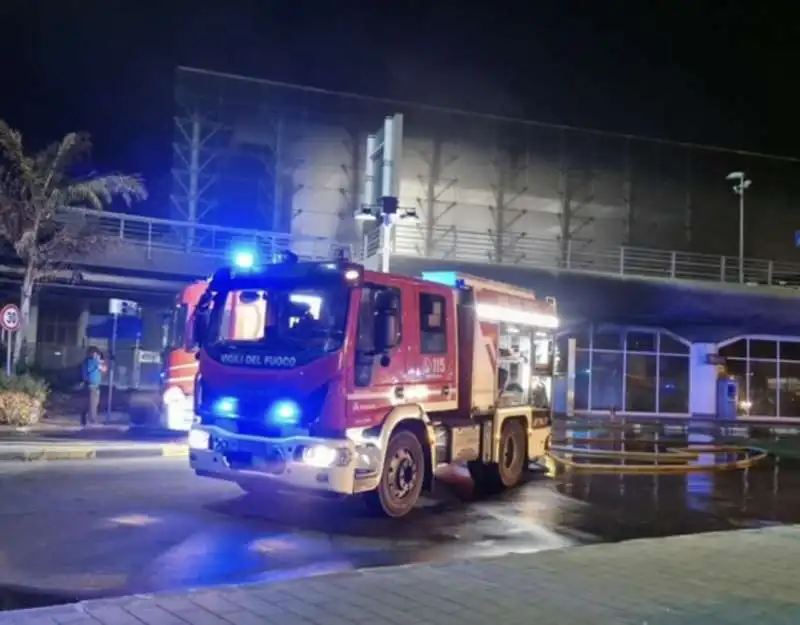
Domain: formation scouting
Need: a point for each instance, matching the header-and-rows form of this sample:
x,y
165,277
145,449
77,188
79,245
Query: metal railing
x,y
444,243
152,234
451,244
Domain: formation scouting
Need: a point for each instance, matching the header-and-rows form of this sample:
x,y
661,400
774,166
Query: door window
x,y
432,324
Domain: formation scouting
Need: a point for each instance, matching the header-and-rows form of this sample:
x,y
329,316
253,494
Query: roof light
x,y
286,257
244,259
351,274
447,278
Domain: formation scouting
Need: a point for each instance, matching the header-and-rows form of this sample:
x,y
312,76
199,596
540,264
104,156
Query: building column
x,y
703,380
30,333
83,326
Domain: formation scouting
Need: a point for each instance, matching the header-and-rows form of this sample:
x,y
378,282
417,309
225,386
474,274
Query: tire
x,y
402,477
482,478
509,471
256,487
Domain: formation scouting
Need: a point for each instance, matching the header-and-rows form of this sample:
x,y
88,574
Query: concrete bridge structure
x,y
628,284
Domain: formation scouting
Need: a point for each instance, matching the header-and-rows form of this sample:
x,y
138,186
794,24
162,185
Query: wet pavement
x,y
78,530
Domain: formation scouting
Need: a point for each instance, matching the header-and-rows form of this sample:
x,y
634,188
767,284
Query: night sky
x,y
726,75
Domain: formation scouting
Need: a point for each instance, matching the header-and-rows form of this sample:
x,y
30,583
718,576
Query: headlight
x,y
173,395
322,456
319,456
199,439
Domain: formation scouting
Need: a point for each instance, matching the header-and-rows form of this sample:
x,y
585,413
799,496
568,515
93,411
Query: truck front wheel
x,y
402,476
256,487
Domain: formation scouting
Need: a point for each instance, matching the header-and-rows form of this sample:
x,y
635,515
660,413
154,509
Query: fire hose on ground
x,y
672,459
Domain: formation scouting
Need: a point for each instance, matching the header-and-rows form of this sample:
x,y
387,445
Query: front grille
x,y
253,410
254,426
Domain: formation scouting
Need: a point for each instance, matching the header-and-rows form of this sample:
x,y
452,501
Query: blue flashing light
x,y
225,407
284,412
244,259
447,278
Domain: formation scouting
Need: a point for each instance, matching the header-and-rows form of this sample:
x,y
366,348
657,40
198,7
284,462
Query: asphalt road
x,y
81,529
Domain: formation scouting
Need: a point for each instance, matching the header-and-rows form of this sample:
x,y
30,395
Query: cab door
x,y
376,382
435,339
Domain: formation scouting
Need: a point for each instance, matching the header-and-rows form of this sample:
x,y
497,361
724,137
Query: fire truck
x,y
180,363
363,383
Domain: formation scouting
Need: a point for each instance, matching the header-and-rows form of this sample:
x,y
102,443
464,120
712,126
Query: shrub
x,y
65,379
22,399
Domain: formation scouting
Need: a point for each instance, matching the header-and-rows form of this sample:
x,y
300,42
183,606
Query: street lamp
x,y
740,186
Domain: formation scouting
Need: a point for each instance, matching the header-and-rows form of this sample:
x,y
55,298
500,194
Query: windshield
x,y
284,318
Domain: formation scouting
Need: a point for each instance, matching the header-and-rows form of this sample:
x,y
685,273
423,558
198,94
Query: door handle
x,y
399,392
445,391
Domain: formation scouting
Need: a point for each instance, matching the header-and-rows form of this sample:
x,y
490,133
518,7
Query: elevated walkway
x,y
181,249
185,249
698,296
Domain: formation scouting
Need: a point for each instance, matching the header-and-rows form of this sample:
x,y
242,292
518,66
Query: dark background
x,y
718,72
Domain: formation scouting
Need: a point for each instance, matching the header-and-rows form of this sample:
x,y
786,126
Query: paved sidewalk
x,y
729,578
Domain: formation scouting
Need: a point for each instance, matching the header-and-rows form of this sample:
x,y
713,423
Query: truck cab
x,y
356,382
180,362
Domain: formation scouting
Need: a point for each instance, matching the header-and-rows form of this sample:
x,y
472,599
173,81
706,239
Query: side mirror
x,y
387,330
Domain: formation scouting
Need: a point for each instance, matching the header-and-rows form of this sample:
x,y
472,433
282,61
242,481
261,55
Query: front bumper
x,y
217,453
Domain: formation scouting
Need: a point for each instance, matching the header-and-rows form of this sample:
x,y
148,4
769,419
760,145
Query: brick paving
x,y
748,576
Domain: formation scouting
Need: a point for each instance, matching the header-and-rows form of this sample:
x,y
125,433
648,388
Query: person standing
x,y
93,370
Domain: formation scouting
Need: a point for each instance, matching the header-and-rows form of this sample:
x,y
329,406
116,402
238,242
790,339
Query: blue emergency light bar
x,y
244,259
447,278
306,273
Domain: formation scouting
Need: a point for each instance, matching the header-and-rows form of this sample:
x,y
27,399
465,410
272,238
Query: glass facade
x,y
629,369
767,372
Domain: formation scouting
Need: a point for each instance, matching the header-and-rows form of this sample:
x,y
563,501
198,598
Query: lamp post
x,y
741,183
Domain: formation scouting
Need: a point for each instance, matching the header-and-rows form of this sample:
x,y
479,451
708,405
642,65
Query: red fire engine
x,y
355,382
180,364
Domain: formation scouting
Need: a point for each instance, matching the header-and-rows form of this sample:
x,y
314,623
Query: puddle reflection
x,y
638,500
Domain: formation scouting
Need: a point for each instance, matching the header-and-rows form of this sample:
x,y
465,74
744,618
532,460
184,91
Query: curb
x,y
51,428
87,452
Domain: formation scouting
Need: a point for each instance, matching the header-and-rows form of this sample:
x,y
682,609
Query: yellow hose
x,y
672,460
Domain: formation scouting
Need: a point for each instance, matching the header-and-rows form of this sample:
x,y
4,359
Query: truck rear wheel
x,y
402,476
510,468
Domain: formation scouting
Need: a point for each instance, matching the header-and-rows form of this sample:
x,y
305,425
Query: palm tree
x,y
36,190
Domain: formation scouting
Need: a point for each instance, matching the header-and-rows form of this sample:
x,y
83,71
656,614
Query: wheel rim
x,y
402,474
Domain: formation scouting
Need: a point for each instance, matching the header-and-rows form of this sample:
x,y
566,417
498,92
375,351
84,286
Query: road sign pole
x,y
111,362
10,322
